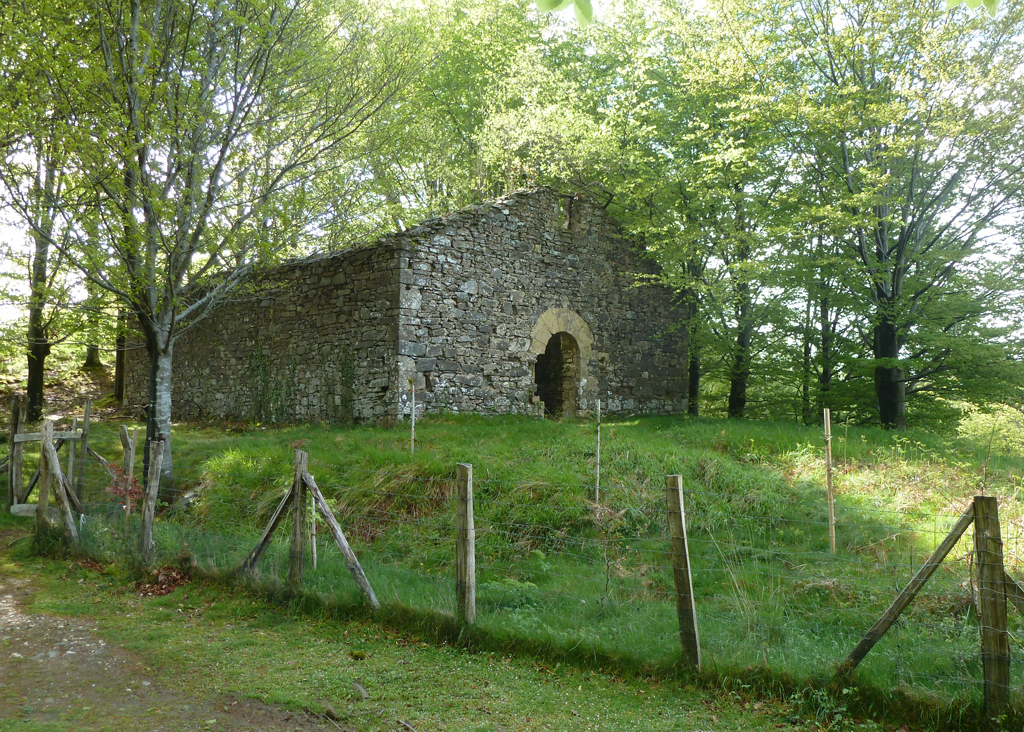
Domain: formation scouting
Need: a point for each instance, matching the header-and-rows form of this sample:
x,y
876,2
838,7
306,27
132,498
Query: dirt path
x,y
56,673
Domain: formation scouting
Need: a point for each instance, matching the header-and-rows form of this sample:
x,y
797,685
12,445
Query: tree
x,y
424,150
911,118
35,177
208,119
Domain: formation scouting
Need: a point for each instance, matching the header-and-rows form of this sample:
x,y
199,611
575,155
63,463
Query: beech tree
x,y
911,118
35,179
201,124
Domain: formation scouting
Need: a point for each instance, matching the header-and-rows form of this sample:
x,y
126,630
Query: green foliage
x,y
997,430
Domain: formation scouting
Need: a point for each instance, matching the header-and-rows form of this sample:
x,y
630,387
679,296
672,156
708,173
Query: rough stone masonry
x,y
532,303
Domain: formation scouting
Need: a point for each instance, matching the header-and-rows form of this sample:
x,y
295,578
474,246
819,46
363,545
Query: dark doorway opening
x,y
557,374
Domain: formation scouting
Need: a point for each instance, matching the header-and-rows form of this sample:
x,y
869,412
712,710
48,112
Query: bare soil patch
x,y
57,671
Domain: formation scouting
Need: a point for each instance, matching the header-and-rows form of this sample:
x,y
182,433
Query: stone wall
x,y
483,290
315,341
462,305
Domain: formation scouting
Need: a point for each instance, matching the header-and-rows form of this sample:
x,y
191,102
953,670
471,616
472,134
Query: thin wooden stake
x,y
412,435
80,480
146,544
597,467
339,538
828,482
465,547
890,616
130,469
297,547
679,554
995,648
71,453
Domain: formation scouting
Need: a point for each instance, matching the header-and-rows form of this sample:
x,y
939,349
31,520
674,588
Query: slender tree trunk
x,y
38,350
827,334
805,367
890,388
158,413
38,340
693,360
693,385
92,358
119,360
741,354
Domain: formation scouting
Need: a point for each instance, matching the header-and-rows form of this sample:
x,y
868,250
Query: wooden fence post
x,y
156,458
465,547
71,453
80,479
128,450
297,548
679,554
13,454
828,482
995,649
597,458
43,495
63,495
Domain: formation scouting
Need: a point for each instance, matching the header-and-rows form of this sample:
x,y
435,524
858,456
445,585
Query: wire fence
x,y
583,578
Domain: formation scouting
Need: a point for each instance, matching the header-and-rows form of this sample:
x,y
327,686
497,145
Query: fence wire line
x,y
579,578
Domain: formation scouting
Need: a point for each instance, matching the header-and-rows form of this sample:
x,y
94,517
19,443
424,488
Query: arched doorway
x,y
557,374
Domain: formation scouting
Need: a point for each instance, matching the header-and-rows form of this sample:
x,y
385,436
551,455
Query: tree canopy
x,y
833,188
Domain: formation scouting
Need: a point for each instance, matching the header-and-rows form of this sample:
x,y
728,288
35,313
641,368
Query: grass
x,y
580,583
202,643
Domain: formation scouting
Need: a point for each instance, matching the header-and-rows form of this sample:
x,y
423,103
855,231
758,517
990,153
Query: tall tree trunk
x,y
827,334
159,347
805,367
119,359
741,354
890,388
693,385
92,358
693,326
38,338
38,350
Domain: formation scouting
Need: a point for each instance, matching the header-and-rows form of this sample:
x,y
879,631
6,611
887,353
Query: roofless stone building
x,y
526,303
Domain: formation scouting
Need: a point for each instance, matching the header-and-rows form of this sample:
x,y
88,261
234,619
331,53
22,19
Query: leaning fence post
x,y
43,495
465,549
71,453
49,463
679,554
995,649
297,547
156,458
80,480
14,454
828,482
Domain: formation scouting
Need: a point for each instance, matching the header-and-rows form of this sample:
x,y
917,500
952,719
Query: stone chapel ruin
x,y
523,304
